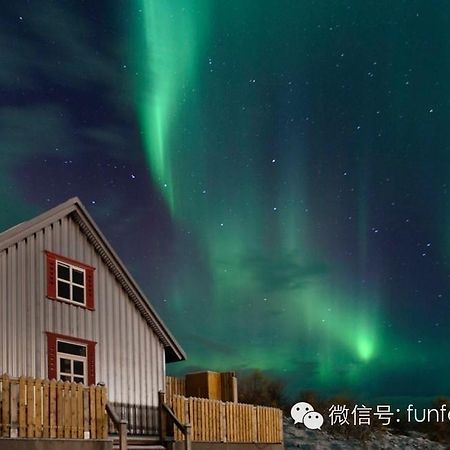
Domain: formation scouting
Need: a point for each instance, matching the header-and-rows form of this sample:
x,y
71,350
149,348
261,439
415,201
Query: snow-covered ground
x,y
298,437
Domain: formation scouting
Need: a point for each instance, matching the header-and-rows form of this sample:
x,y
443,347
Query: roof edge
x,y
20,231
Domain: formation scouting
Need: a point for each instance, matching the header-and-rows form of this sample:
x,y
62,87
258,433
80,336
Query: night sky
x,y
275,174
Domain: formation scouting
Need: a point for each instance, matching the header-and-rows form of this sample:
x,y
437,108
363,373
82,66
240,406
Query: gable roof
x,y
79,214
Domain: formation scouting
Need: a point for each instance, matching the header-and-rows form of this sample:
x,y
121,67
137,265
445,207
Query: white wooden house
x,y
70,310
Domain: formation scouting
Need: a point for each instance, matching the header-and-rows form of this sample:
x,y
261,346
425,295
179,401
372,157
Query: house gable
x,y
74,209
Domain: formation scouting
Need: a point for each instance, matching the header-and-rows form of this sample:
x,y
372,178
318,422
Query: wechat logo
x,y
304,413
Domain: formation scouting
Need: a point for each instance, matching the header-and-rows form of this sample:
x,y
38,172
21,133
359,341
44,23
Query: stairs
x,y
140,443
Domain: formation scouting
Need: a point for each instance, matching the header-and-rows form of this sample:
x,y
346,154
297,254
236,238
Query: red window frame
x,y
52,259
52,339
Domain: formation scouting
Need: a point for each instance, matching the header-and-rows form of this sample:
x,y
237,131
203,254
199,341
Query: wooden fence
x,y
217,421
175,386
34,408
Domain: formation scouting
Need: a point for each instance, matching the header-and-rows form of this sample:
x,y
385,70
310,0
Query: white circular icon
x,y
313,420
299,410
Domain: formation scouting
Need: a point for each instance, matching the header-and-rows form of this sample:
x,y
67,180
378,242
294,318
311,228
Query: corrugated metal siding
x,y
129,355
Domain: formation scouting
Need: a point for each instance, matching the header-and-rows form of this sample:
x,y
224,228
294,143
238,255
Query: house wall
x,y
129,356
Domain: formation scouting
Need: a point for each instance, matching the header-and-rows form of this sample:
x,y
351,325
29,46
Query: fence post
x,y
123,435
59,409
280,427
14,411
222,424
67,410
188,438
38,408
162,417
53,421
5,406
254,425
22,410
92,410
30,416
46,409
99,411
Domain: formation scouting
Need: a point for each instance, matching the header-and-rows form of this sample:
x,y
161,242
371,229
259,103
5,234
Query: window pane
x,y
64,365
78,276
66,378
73,349
78,294
63,272
63,290
78,380
78,368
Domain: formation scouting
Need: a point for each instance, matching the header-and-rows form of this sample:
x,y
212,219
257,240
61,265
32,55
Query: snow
x,y
297,437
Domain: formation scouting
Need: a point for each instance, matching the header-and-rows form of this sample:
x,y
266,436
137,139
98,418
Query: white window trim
x,y
72,357
71,283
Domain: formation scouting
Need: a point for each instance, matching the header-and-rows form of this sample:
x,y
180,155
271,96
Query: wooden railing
x,y
142,419
217,421
169,422
35,408
120,425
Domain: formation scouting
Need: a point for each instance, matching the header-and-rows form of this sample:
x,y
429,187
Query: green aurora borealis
x,y
275,174
272,286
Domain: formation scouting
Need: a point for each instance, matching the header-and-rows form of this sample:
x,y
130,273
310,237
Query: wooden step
x,y
140,443
141,447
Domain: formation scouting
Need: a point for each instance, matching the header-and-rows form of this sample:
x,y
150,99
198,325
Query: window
x,y
71,359
70,281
